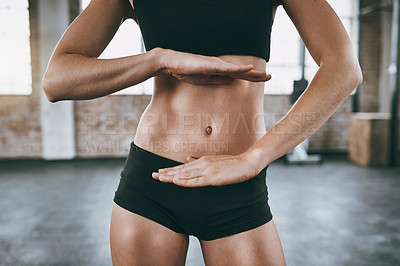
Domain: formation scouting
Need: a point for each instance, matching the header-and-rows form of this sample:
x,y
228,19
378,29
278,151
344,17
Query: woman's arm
x,y
339,74
75,72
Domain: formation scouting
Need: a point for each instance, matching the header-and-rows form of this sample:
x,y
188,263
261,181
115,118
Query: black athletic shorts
x,y
208,212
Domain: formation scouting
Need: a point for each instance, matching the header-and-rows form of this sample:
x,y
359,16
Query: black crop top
x,y
207,27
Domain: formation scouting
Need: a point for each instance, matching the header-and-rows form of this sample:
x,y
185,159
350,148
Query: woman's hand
x,y
202,70
209,170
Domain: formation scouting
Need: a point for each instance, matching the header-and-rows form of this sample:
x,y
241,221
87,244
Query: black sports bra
x,y
207,27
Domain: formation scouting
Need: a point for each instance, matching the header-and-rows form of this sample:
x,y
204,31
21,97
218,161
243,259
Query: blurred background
x,y
335,198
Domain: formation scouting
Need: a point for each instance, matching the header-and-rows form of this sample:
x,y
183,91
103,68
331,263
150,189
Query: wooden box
x,y
369,139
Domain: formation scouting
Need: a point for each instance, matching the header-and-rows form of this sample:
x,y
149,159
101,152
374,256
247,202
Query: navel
x,y
208,130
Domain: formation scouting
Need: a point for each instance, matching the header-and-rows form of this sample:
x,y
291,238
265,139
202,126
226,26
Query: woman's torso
x,y
184,119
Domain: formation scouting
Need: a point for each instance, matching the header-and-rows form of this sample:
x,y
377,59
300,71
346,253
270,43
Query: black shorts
x,y
208,212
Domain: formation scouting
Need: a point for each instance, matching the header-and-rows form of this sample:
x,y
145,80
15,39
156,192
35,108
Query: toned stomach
x,y
184,119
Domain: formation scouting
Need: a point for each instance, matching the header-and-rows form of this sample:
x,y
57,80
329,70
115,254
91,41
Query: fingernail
x,y
155,174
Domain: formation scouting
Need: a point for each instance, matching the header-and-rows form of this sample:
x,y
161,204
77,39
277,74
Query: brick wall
x,y
106,126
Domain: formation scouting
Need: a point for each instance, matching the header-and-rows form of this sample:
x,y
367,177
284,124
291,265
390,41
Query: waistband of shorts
x,y
152,156
163,160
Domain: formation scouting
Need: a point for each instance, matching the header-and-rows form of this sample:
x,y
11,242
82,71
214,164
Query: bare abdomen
x,y
184,119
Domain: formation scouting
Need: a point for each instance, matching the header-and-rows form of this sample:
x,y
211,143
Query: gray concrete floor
x,y
337,213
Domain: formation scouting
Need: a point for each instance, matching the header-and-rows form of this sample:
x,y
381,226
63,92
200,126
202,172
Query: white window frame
x,y
15,48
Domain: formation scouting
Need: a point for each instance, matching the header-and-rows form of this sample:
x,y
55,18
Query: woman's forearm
x,y
332,84
78,77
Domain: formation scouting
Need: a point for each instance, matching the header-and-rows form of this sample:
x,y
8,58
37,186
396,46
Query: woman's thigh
x,y
259,246
136,240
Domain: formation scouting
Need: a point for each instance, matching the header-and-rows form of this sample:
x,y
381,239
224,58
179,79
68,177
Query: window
x,y
127,41
15,54
284,64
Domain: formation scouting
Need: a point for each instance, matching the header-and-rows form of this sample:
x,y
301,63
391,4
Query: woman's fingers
x,y
254,75
179,171
169,176
202,70
221,79
210,68
193,178
246,72
192,169
187,174
225,68
195,182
